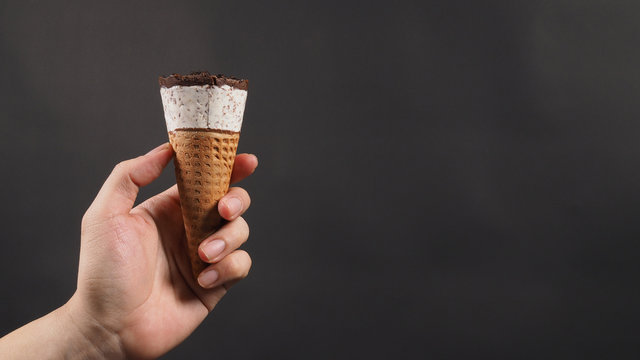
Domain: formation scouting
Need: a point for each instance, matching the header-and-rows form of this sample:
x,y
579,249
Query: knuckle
x,y
238,230
239,264
122,178
246,263
233,266
243,194
120,167
246,197
244,229
249,263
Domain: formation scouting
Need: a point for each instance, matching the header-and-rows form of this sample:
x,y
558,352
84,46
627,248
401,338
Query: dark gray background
x,y
444,179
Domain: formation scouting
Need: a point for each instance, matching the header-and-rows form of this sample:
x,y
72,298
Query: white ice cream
x,y
203,107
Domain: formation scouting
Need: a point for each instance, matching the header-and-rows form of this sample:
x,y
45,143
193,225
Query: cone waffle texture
x,y
203,163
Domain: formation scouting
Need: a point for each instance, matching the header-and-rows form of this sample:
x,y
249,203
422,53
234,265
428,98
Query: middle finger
x,y
234,203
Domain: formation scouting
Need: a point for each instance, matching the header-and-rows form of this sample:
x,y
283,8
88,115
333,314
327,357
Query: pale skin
x,y
135,296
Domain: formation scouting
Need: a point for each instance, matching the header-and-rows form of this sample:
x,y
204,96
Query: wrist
x,y
90,338
65,333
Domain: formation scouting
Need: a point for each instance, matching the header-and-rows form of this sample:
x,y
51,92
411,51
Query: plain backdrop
x,y
437,179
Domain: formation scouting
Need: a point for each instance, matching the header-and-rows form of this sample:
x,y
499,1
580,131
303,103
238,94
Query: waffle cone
x,y
203,163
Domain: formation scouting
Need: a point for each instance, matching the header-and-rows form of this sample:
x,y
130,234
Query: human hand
x,y
134,282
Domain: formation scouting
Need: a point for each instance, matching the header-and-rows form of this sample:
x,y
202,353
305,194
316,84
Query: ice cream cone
x,y
204,115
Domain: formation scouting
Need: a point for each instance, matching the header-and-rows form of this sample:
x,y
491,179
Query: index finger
x,y
243,166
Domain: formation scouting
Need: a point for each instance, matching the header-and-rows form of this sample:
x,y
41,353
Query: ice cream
x,y
203,113
203,107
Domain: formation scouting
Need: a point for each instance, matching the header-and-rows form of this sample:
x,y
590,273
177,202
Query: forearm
x,y
60,335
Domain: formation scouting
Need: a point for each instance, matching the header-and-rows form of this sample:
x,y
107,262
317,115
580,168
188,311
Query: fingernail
x,y
208,278
159,148
234,205
212,249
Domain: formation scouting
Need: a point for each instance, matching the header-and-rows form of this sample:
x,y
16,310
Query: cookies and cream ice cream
x,y
203,107
203,114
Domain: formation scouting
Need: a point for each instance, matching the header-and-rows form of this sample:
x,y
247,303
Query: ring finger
x,y
221,243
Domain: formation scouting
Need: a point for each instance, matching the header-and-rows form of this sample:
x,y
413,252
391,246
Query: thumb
x,y
119,191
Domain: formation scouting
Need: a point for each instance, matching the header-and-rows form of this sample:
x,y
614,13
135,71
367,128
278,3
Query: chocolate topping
x,y
202,78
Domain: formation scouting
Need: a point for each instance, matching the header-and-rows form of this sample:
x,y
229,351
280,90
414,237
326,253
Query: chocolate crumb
x,y
202,78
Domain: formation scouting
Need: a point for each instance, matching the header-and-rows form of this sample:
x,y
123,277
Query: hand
x,y
134,281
